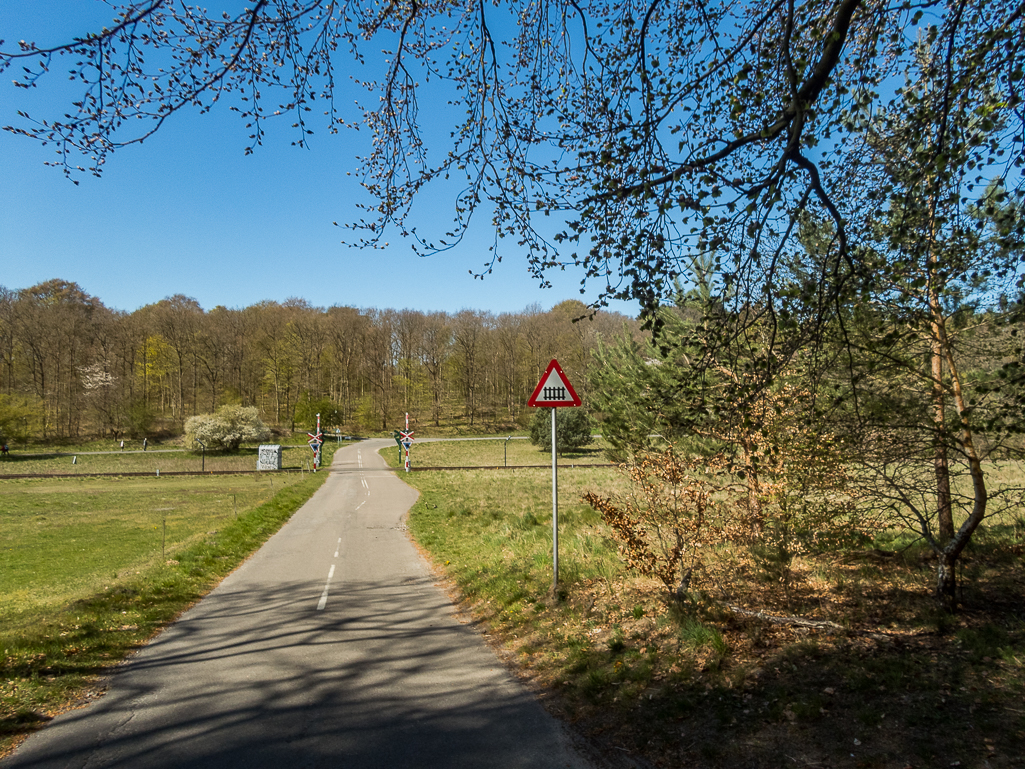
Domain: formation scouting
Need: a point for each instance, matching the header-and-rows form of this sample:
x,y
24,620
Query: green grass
x,y
699,686
492,452
510,522
164,459
690,685
97,529
91,568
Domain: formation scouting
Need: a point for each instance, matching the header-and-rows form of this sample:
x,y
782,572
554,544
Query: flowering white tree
x,y
227,428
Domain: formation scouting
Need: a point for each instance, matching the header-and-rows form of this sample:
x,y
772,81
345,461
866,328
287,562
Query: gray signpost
x,y
554,391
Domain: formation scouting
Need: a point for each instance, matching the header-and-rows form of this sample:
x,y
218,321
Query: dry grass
x,y
884,680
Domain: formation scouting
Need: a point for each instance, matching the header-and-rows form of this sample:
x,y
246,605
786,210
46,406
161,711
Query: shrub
x,y
227,428
19,416
306,411
573,429
777,489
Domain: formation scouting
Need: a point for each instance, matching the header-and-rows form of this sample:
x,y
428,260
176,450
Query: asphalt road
x,y
330,647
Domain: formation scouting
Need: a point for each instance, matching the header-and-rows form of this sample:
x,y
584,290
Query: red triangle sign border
x,y
542,398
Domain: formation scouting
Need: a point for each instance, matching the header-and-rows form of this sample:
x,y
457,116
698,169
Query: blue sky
x,y
189,213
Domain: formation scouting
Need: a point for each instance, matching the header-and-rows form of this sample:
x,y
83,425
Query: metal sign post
x,y
316,441
407,441
404,438
554,390
555,511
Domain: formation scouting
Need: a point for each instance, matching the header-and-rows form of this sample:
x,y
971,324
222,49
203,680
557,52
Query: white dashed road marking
x,y
323,596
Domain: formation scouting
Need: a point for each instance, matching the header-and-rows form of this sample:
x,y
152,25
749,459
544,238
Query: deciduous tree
x,y
227,428
655,130
944,243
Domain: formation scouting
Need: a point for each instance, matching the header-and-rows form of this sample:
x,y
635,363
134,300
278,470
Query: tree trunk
x,y
941,464
946,581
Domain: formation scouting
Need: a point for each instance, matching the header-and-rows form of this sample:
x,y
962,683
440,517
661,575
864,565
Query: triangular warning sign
x,y
554,389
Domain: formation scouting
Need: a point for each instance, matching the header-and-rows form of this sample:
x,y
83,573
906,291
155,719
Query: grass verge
x,y
492,452
89,573
890,683
162,460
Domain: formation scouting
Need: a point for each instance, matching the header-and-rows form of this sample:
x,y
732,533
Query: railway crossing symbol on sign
x,y
554,389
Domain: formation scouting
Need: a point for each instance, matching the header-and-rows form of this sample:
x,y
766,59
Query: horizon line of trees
x,y
70,366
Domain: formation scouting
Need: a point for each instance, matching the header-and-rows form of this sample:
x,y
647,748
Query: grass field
x,y
898,685
92,567
88,572
99,529
91,461
493,452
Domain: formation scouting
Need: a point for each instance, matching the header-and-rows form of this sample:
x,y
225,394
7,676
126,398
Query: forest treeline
x,y
72,367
